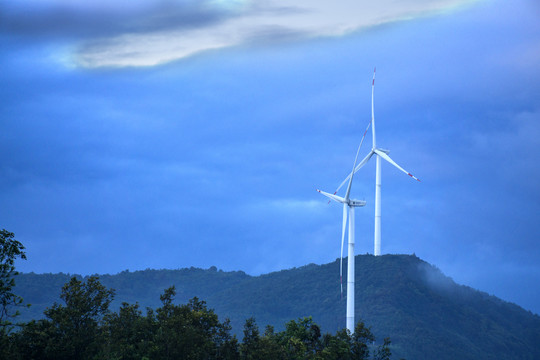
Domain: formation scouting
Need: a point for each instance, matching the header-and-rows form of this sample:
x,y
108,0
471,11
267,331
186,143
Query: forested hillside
x,y
425,314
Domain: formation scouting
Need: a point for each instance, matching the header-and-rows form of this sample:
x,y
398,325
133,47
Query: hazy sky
x,y
143,134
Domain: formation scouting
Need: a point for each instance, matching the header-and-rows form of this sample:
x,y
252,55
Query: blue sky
x,y
194,133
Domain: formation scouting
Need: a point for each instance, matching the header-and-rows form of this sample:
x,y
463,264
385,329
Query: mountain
x,y
426,314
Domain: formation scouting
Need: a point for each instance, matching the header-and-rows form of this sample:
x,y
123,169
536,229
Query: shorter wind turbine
x,y
348,207
380,153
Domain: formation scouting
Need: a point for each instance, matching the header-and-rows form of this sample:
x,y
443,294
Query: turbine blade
x,y
364,161
358,167
343,183
373,109
355,161
342,242
336,198
354,166
387,158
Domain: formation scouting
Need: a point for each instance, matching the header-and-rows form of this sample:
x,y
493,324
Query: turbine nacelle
x,y
356,203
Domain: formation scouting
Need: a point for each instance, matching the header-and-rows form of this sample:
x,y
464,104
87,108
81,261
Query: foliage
x,y
250,348
10,250
70,331
383,352
185,331
301,338
84,328
362,337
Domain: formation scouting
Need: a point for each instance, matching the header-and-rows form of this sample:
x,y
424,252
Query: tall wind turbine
x,y
379,153
348,207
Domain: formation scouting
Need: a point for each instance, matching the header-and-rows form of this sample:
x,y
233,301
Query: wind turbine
x,y
379,153
348,207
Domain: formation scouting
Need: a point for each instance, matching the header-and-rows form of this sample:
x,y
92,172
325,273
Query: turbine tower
x,y
379,153
348,208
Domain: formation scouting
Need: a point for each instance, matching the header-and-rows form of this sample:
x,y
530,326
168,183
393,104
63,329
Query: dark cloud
x,y
66,20
71,21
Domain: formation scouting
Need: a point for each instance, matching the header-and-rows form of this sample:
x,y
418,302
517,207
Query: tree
x,y
249,349
383,351
336,347
129,333
76,332
10,250
270,347
301,338
31,342
227,345
184,331
361,338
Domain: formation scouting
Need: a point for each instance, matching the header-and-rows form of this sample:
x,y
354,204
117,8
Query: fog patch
x,y
435,279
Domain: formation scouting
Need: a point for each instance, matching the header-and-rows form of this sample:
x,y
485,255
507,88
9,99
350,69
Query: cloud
x,y
90,20
263,22
147,33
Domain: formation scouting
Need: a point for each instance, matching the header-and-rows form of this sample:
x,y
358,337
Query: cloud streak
x,y
148,34
263,22
78,19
